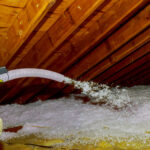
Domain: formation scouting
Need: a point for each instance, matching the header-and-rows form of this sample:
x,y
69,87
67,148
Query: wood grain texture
x,y
114,42
24,24
73,27
8,11
13,3
141,52
122,64
103,70
7,15
130,34
40,32
131,26
121,53
105,41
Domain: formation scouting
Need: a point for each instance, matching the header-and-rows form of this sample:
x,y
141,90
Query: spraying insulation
x,y
101,93
71,120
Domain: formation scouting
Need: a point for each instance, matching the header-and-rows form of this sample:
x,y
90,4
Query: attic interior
x,y
104,41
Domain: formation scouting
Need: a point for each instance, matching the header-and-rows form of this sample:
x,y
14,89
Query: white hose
x,y
31,72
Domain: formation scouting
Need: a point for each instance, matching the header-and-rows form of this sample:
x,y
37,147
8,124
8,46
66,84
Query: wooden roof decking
x,y
8,13
107,41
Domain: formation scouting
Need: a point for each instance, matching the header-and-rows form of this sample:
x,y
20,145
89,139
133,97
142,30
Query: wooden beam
x,y
97,56
13,3
100,33
120,19
142,76
120,54
113,53
24,24
95,5
7,15
122,64
124,51
140,26
102,78
66,26
130,75
3,32
133,57
73,27
51,17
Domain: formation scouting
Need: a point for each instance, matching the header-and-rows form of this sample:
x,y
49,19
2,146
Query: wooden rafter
x,y
101,70
22,27
14,3
115,41
51,17
104,41
124,51
84,13
136,70
141,52
131,26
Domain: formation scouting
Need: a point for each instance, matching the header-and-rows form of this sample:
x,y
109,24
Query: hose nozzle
x,y
3,70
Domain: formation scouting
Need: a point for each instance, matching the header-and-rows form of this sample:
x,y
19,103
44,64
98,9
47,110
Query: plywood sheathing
x,y
86,63
24,23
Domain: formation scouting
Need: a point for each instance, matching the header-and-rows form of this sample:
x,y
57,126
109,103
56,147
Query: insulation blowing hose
x,y
31,72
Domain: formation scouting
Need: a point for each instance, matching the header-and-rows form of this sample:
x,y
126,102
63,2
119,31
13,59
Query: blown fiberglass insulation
x,y
71,119
101,93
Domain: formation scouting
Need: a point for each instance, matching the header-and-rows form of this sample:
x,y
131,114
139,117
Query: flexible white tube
x,y
31,72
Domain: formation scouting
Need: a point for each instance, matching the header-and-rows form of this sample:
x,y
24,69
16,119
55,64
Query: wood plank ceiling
x,y
107,41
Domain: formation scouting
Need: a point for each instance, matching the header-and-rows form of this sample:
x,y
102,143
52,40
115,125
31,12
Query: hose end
x,y
3,70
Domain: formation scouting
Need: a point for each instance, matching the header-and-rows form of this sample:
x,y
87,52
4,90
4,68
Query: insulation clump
x,y
101,93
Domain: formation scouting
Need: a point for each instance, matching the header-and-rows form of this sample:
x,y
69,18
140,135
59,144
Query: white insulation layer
x,y
72,120
31,72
